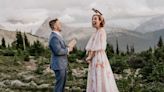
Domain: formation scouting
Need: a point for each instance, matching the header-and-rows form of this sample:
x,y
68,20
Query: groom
x,y
59,51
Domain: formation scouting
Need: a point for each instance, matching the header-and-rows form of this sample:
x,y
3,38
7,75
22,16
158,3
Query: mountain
x,y
130,23
156,23
125,37
10,36
140,40
1,27
155,35
68,33
44,30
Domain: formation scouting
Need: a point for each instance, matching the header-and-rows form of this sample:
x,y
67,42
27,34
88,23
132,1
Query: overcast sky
x,y
30,14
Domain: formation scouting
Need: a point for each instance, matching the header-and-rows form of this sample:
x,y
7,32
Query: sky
x,y
28,15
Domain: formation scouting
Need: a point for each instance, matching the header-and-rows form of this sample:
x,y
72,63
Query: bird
x,y
96,11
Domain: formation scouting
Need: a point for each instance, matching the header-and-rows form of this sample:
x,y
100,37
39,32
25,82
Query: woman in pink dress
x,y
100,75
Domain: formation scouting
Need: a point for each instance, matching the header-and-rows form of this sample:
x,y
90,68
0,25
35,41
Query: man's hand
x,y
70,49
72,43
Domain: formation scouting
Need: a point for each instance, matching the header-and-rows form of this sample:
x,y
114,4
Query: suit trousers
x,y
60,76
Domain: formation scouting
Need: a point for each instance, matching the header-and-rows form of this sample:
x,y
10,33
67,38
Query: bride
x,y
100,75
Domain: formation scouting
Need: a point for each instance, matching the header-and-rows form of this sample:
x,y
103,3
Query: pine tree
x,y
19,40
160,42
3,43
128,49
150,49
132,49
8,46
27,44
109,50
36,48
117,47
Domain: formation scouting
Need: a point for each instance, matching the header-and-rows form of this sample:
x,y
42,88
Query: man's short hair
x,y
52,23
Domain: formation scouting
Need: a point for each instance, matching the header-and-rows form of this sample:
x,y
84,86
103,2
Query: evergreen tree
x,y
128,49
150,49
36,48
3,43
8,46
132,49
19,40
160,42
117,47
27,44
109,50
13,44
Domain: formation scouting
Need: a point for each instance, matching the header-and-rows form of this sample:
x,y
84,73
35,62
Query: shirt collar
x,y
58,33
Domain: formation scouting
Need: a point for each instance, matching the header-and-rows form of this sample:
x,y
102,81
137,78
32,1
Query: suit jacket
x,y
59,51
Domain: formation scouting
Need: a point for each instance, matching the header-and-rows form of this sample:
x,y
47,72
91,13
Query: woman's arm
x,y
90,56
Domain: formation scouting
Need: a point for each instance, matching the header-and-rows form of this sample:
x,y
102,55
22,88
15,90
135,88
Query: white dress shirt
x,y
58,33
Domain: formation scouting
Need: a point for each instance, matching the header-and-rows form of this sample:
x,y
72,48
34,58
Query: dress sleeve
x,y
89,44
97,42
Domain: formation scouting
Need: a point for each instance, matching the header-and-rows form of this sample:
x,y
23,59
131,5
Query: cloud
x,y
48,4
66,18
26,16
23,19
23,13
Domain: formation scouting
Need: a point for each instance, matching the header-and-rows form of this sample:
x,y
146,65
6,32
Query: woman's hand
x,y
90,56
88,62
88,59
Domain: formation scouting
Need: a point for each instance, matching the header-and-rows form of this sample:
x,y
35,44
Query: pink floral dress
x,y
100,75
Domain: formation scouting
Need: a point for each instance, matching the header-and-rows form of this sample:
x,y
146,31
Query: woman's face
x,y
95,21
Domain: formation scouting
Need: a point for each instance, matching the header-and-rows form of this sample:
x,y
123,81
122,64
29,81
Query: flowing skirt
x,y
100,75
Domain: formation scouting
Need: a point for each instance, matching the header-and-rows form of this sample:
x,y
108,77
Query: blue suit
x,y
59,60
